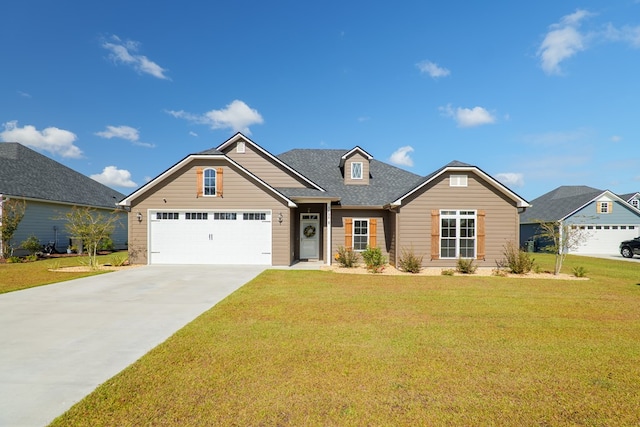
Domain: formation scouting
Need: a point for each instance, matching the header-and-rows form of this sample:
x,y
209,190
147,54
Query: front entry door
x,y
309,236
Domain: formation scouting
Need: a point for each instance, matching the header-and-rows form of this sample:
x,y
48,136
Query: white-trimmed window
x,y
209,184
458,234
458,181
240,147
356,170
360,234
635,203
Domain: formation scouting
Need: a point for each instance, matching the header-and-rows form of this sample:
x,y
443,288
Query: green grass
x,y
319,348
17,276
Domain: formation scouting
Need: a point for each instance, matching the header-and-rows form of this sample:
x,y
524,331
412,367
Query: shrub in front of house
x,y
409,261
373,259
32,244
347,257
516,260
466,266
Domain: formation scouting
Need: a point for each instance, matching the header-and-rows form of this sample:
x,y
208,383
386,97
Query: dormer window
x,y
356,170
458,181
634,203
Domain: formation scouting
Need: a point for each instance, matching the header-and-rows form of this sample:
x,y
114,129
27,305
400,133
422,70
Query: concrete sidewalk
x,y
59,342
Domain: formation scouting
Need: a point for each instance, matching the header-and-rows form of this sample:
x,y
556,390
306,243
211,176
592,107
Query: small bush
x,y
516,260
466,266
14,260
106,244
579,271
32,244
409,261
347,257
118,260
448,272
374,260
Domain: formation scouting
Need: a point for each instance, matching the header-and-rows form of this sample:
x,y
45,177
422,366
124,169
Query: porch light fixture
x,y
280,218
139,217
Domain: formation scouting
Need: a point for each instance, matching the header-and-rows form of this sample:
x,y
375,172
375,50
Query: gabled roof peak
x,y
355,149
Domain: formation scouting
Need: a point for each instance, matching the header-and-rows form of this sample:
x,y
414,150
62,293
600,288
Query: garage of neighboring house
x,y
210,237
605,239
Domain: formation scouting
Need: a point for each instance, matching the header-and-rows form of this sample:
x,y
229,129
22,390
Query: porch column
x,y
329,256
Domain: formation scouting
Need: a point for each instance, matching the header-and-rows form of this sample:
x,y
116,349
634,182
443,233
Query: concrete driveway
x,y
59,342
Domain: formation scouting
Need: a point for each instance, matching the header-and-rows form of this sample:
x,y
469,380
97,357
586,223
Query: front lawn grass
x,y
17,276
318,348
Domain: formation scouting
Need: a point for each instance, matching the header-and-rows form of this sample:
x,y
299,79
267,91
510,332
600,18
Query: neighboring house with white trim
x,y
605,218
240,204
49,190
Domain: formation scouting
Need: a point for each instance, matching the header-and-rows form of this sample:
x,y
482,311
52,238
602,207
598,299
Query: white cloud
x,y
114,177
616,138
402,156
24,94
626,34
433,69
51,139
125,52
124,132
192,133
469,117
236,116
562,41
510,179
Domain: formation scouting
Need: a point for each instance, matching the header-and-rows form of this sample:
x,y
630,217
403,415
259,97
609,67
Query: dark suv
x,y
629,248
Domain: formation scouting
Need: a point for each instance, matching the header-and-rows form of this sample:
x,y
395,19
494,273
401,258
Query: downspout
x,y
328,233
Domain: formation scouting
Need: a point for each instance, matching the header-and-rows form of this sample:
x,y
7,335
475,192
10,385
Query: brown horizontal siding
x,y
414,228
337,227
356,157
264,168
239,193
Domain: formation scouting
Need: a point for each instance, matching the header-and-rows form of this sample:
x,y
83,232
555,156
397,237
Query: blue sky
x,y
537,94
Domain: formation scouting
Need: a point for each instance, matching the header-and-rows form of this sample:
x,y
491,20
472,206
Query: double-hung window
x,y
458,234
209,184
360,234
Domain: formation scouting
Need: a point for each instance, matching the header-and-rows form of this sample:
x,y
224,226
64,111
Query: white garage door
x,y
229,237
605,239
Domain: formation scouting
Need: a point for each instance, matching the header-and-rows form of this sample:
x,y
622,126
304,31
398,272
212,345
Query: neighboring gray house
x,y
239,204
606,218
50,190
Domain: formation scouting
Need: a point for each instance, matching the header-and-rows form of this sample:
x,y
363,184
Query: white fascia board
x,y
239,135
607,193
127,200
521,203
353,150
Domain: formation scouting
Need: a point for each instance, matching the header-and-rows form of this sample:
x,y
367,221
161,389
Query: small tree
x,y
12,211
91,227
563,238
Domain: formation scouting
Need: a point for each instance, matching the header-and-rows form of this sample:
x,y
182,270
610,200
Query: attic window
x,y
356,170
458,181
240,147
604,207
634,203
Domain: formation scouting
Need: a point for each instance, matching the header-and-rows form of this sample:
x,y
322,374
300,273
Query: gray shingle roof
x,y
27,173
559,203
386,182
